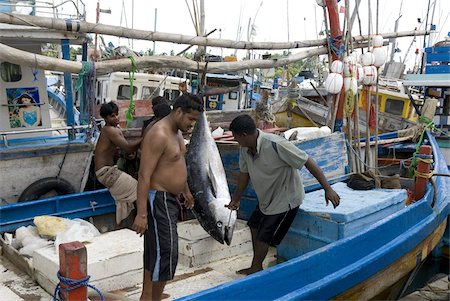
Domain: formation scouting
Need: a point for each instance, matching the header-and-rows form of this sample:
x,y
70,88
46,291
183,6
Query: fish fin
x,y
213,180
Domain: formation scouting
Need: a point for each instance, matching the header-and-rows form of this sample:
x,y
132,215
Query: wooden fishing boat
x,y
40,154
396,110
335,255
369,241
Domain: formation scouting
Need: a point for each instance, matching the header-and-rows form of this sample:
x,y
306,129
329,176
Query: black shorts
x,y
161,237
271,229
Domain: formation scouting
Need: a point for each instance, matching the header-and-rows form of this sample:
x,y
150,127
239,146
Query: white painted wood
x,y
197,247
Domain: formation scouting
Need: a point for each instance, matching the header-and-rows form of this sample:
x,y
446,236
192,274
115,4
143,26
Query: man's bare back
x,y
111,138
105,150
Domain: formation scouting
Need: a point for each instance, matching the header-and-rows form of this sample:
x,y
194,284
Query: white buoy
x,y
370,75
379,54
321,3
337,66
350,83
377,41
333,83
359,73
367,59
349,65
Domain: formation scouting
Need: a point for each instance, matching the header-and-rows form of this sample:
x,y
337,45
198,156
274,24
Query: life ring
x,y
43,186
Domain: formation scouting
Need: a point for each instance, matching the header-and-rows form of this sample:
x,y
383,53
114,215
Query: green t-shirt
x,y
274,172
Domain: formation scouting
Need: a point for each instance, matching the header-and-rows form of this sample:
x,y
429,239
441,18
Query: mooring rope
x,y
72,285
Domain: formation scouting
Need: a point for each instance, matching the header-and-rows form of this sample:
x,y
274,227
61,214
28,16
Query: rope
x,y
339,51
35,70
72,285
130,112
81,85
414,161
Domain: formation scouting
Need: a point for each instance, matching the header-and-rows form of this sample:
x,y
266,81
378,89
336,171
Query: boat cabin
x,y
116,87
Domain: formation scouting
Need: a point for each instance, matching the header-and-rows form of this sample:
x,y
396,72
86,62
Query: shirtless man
x,y
121,185
162,178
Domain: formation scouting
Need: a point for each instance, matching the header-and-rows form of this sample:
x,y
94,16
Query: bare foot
x,y
248,271
165,296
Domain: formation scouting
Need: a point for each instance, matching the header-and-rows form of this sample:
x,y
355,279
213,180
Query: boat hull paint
x,y
384,279
23,166
336,268
78,205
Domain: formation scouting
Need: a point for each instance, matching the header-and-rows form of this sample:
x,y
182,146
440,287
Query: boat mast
x,y
335,36
394,40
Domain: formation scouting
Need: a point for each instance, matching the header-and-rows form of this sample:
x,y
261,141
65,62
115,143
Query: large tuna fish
x,y
208,184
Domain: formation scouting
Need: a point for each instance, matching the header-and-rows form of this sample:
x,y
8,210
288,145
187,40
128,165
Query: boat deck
x,y
17,285
117,268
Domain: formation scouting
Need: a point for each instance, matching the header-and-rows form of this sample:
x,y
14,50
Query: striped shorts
x,y
161,237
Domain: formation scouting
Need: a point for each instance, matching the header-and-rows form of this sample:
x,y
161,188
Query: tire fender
x,y
39,188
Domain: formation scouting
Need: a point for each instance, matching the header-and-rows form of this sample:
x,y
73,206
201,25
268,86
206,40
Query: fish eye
x,y
219,224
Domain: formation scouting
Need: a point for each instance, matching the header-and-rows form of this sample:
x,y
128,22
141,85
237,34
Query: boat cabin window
x,y
99,89
233,95
10,72
124,92
149,92
394,106
171,94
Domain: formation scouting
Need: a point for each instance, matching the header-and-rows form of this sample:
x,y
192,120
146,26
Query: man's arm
x,y
330,194
116,137
152,149
242,183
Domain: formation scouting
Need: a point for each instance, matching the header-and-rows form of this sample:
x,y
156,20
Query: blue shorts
x,y
161,237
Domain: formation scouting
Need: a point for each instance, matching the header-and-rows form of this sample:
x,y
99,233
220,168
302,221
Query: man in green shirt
x,y
272,163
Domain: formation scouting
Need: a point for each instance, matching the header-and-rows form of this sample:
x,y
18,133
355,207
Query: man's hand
x,y
188,199
140,224
233,205
331,195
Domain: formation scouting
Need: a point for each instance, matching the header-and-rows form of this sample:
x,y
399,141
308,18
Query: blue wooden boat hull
x,y
78,205
353,267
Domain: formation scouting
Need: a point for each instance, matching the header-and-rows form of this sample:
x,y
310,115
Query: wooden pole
x,y
376,100
368,100
423,167
359,164
73,265
118,31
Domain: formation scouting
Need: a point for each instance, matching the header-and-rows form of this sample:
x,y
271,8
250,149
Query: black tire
x,y
43,186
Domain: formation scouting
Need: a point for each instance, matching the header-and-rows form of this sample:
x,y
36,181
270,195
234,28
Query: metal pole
x,y
65,45
132,22
154,29
96,35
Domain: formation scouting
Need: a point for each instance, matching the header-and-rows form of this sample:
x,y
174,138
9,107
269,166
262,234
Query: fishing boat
x,y
396,109
356,251
47,144
116,87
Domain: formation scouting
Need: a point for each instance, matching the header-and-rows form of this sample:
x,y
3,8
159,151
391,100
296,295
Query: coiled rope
x,y
72,285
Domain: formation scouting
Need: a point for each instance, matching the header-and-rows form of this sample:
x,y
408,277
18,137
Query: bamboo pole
x,y
359,164
118,31
20,57
376,98
369,101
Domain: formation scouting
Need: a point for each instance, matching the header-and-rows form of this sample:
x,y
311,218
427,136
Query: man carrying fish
x,y
162,178
272,163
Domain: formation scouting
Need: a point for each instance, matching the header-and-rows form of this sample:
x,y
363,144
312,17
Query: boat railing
x,y
76,8
5,134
